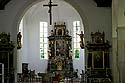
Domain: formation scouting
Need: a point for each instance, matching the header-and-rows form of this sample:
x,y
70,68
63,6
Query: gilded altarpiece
x,y
60,50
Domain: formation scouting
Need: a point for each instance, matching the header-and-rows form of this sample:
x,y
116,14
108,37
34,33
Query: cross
x,y
49,11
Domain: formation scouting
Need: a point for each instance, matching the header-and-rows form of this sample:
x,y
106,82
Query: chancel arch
x,y
32,16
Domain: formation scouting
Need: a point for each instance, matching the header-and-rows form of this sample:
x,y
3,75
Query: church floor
x,y
28,82
53,82
66,81
48,80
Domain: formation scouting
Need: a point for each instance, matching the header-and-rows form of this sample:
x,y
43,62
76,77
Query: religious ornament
x,y
19,36
59,65
50,8
81,37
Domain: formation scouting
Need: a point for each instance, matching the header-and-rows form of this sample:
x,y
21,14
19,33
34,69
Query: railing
x,y
28,78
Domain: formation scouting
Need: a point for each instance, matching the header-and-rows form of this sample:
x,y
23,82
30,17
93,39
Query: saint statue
x,y
19,36
81,37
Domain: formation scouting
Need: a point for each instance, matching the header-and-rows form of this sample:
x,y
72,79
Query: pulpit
x,y
98,58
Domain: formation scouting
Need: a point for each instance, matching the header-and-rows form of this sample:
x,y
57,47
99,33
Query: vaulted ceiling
x,y
100,3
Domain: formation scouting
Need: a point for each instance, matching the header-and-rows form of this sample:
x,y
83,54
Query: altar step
x,y
53,82
40,81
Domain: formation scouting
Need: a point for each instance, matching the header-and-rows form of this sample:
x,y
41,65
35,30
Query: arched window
x,y
43,40
76,39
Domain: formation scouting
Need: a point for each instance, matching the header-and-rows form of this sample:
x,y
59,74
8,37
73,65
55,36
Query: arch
x,y
30,3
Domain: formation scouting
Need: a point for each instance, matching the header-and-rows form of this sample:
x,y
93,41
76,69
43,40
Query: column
x,y
121,53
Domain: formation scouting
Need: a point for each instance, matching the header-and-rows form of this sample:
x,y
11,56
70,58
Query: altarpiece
x,y
98,59
60,50
6,57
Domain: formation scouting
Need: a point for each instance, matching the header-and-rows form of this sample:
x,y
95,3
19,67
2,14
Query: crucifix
x,y
50,8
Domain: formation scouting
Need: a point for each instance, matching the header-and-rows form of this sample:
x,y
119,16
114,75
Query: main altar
x,y
60,51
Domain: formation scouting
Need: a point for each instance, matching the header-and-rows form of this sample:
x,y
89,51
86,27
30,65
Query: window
x,y
43,40
76,39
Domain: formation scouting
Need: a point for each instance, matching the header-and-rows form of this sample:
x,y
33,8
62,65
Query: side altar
x,y
6,58
60,50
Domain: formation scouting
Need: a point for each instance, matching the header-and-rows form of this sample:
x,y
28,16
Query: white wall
x,y
93,17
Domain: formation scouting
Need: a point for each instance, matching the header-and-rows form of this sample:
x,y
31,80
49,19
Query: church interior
x,y
62,41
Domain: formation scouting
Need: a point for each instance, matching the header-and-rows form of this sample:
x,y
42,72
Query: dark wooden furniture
x,y
98,59
25,72
6,57
25,68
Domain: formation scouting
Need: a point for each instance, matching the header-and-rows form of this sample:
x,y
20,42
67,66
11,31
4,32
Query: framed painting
x,y
98,59
60,47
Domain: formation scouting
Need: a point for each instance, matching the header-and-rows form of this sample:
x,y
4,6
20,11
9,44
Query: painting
x,y
60,47
98,59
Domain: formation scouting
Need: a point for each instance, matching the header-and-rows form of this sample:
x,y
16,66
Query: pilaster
x,y
121,53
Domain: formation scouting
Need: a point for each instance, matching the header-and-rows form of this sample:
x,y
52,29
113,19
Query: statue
x,y
76,73
82,76
81,37
52,32
19,36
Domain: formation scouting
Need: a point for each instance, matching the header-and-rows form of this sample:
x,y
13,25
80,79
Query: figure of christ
x,y
50,5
